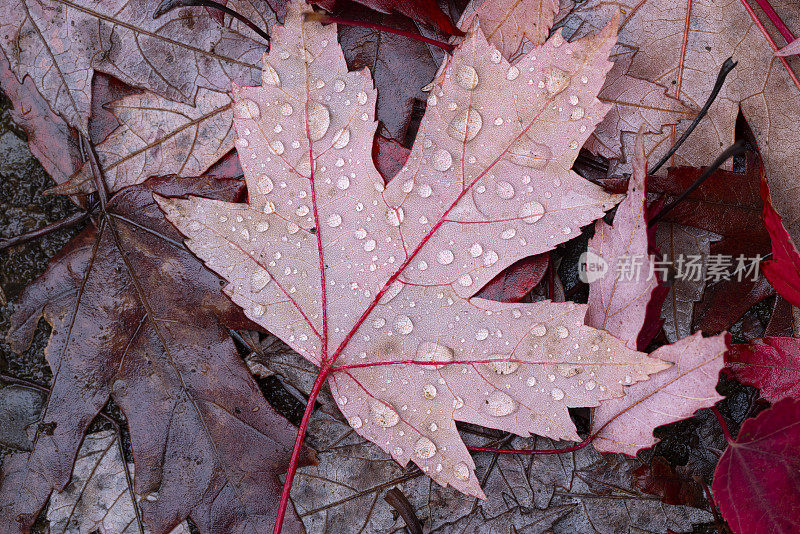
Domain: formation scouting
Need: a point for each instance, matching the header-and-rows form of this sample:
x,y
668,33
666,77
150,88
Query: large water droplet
x,y
461,471
385,416
277,147
512,73
403,325
259,280
465,125
265,185
499,404
556,80
529,153
425,191
502,366
442,160
247,109
467,77
287,109
355,422
531,212
445,257
577,114
339,86
361,97
395,216
428,351
424,448
476,250
429,391
319,119
557,394
342,138
269,76
505,190
538,330
392,291
562,332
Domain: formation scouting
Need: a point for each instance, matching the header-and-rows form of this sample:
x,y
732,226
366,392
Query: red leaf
x,y
517,280
757,479
389,156
674,485
783,271
771,364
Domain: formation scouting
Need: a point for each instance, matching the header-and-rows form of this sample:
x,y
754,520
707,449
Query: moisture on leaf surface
x,y
373,282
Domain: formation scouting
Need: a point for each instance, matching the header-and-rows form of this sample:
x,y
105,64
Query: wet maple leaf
x,y
136,318
425,11
756,480
373,282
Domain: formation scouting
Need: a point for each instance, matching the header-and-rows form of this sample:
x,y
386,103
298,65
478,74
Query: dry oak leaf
x,y
376,280
507,22
683,45
138,319
60,43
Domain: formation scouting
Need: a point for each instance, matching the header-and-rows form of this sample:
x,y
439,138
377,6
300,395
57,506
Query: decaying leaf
x,y
157,137
206,445
686,249
50,139
756,480
400,66
59,44
507,22
635,104
682,46
19,409
376,279
97,498
564,493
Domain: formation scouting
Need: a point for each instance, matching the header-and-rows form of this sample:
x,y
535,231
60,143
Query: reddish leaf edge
x,y
783,270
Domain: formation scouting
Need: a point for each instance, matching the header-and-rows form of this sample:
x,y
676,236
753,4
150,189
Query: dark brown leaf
x,y
138,319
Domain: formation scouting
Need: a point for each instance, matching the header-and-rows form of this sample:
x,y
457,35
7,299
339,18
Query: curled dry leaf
x,y
507,22
374,282
756,480
59,44
681,46
205,442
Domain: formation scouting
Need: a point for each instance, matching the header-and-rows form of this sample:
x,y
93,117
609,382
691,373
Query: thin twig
x,y
726,68
168,5
67,222
733,150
